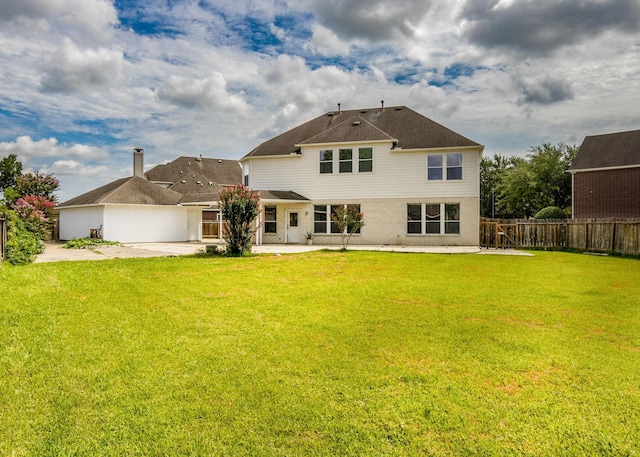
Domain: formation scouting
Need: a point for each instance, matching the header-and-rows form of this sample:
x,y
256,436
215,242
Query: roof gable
x,y
611,150
411,129
353,129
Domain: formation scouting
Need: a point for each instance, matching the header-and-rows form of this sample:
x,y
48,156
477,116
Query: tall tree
x,y
523,186
10,170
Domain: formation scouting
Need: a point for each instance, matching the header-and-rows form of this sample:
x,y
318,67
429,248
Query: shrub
x,y
83,243
239,208
550,212
22,245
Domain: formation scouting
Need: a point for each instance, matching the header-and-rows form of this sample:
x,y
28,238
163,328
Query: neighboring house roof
x,y
133,190
184,180
611,150
410,129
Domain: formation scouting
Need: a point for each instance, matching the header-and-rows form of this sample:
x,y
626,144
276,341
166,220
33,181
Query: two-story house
x,y
416,181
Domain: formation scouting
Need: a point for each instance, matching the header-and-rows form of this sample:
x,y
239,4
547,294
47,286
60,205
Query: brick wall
x,y
607,193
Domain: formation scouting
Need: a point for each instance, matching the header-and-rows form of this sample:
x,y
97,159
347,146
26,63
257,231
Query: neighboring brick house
x,y
606,176
177,201
416,181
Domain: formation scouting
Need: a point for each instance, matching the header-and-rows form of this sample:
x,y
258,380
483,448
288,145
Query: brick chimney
x,y
138,162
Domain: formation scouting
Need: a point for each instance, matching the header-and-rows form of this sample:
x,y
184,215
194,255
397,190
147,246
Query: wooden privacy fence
x,y
619,235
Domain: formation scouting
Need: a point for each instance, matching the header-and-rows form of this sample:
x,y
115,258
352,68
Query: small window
x,y
365,160
454,166
345,158
270,219
434,167
320,219
326,161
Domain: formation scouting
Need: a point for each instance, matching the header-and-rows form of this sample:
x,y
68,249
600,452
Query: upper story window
x,y
347,160
365,160
345,157
245,174
326,161
444,167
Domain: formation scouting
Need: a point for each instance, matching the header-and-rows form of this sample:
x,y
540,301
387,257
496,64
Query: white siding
x,y
396,174
132,223
78,222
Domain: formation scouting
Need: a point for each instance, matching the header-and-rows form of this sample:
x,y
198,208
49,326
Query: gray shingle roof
x,y
133,190
196,172
611,150
411,129
280,195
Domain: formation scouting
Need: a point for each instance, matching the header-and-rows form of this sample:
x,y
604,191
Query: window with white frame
x,y
326,161
270,219
365,160
441,167
345,160
322,221
433,218
245,174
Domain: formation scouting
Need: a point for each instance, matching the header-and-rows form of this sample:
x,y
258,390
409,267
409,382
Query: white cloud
x,y
327,43
30,152
94,19
73,168
73,69
209,93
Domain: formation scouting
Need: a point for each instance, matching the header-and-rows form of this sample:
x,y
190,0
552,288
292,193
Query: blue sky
x,y
84,81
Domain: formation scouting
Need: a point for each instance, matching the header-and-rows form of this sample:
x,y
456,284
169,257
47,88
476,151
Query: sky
x,y
83,82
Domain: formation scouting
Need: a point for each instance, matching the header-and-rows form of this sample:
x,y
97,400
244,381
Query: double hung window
x,y
345,158
326,161
365,160
444,167
270,219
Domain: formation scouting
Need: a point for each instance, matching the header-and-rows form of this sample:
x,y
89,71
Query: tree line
x,y
537,185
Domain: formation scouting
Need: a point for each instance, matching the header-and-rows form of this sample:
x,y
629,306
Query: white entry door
x,y
293,229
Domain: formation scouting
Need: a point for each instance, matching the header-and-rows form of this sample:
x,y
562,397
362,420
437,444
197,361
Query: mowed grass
x,y
322,354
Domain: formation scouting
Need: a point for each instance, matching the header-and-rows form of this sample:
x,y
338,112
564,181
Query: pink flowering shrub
x,y
36,213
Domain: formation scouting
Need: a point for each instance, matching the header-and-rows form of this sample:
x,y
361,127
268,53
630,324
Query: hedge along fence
x,y
604,235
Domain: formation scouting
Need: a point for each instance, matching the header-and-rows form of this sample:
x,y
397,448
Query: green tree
x,y
239,209
491,171
539,181
10,170
349,220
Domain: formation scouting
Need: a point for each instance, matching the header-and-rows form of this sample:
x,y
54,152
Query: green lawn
x,y
326,353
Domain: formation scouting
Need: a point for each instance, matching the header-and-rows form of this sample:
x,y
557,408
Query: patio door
x,y
293,229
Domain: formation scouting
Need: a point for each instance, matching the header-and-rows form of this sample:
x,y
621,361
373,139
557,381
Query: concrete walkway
x,y
54,252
